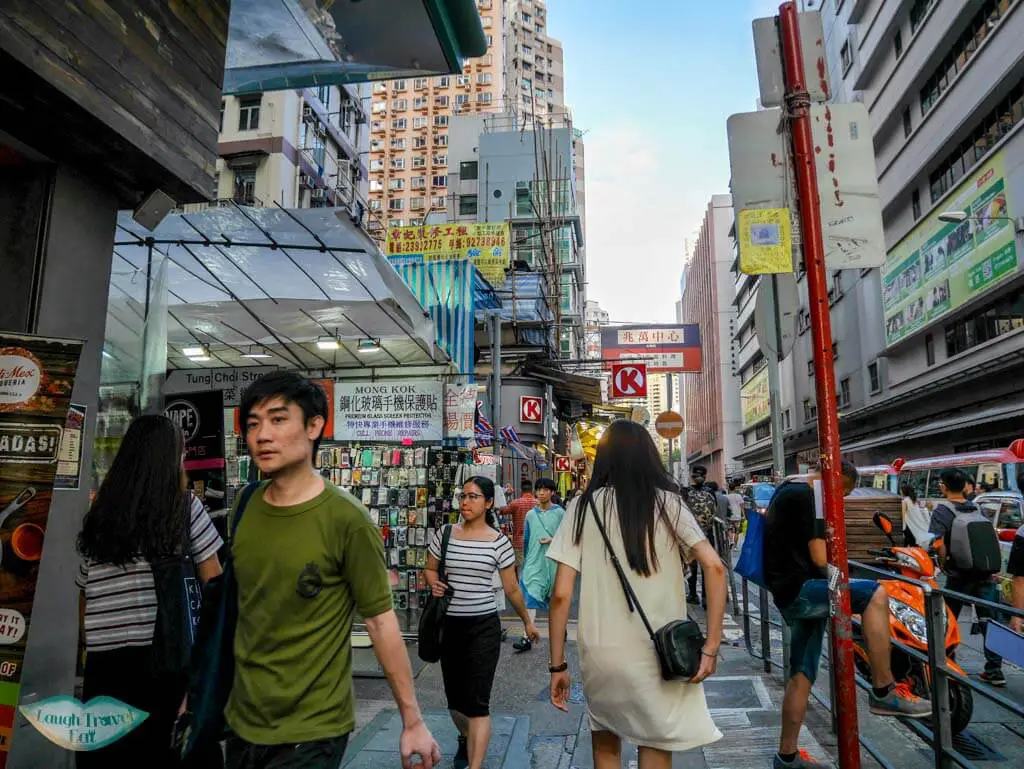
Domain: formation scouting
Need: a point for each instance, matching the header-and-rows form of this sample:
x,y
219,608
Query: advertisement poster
x,y
755,399
766,245
486,245
940,266
69,457
36,379
389,412
201,419
460,411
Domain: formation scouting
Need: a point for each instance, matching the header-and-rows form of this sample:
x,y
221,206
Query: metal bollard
x,y
766,640
935,619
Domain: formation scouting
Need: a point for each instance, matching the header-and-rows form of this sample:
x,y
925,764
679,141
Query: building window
x,y
375,205
438,203
484,97
376,164
763,431
440,160
929,350
220,125
917,13
398,164
444,81
462,80
419,122
467,205
843,396
908,127
396,204
440,180
874,380
835,351
915,204
897,43
399,124
249,113
961,52
419,142
484,78
419,161
810,367
988,132
441,141
440,121
998,318
245,187
441,101
461,98
398,144
377,126
846,57
420,102
810,410
417,204
419,182
396,184
468,170
376,185
787,420
399,105
398,85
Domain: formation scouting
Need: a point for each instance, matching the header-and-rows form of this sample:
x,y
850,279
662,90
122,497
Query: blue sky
x,y
652,83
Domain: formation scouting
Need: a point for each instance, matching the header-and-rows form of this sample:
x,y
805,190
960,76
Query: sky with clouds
x,y
651,82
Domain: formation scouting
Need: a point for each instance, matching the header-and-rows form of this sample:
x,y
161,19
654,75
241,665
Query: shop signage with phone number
x,y
389,412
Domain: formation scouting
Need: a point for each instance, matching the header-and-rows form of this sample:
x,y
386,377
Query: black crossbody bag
x,y
678,644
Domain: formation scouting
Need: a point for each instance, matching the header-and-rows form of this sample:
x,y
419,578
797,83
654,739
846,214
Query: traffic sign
x,y
531,410
562,464
775,314
629,380
669,425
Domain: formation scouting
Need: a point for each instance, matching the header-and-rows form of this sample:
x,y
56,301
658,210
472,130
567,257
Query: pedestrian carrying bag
x,y
212,671
431,629
751,561
679,644
973,542
178,600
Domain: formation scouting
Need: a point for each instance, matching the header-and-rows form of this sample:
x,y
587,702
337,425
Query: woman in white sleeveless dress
x,y
649,527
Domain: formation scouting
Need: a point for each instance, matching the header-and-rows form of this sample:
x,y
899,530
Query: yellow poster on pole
x,y
766,241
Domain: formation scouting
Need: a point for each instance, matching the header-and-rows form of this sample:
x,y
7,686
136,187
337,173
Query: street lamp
x,y
958,217
953,217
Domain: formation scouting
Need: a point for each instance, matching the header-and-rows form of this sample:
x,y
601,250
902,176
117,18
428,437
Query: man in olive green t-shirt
x,y
306,559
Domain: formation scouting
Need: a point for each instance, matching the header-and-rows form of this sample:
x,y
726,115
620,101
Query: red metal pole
x,y
798,104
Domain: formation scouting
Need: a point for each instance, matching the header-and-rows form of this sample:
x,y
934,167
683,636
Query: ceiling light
x,y
328,343
198,351
199,358
256,352
369,345
954,217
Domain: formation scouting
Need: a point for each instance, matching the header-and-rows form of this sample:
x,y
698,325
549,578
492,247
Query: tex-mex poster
x,y
36,378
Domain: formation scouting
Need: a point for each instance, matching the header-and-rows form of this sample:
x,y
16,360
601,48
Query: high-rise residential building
x,y
297,149
930,346
409,121
596,318
712,402
534,64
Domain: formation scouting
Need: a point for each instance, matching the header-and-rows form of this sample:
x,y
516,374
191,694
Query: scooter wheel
x,y
961,706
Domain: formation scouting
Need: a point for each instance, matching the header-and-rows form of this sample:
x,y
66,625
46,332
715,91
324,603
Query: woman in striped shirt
x,y
141,513
472,630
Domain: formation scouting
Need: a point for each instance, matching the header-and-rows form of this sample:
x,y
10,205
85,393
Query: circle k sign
x,y
629,380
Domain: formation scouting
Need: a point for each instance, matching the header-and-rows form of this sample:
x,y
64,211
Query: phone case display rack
x,y
408,492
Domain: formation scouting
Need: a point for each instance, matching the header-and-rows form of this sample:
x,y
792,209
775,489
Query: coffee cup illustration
x,y
27,542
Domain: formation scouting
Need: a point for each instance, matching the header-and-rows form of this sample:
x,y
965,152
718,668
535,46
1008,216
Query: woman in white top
x,y
916,519
652,533
471,643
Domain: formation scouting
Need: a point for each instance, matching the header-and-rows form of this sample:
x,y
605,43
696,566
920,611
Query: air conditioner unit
x,y
318,194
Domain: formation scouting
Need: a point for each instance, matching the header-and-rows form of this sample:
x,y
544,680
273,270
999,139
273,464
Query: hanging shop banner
x,y
941,266
230,381
665,349
201,419
486,245
390,412
36,379
460,411
755,399
69,457
765,241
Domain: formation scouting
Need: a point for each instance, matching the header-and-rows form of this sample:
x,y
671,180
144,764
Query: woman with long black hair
x,y
471,643
652,534
142,514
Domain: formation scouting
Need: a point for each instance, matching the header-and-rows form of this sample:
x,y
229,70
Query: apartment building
x,y
712,402
409,120
298,149
535,68
595,319
931,344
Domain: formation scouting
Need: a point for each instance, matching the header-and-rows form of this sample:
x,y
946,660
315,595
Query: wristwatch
x,y
558,668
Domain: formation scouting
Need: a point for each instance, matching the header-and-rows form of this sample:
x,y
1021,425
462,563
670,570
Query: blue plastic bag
x,y
751,560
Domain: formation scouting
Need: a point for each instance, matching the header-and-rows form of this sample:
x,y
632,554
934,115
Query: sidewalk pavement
x,y
529,733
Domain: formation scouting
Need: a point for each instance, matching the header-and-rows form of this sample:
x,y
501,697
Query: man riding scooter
x,y
796,572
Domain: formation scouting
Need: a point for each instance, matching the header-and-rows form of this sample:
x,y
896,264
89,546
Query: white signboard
x,y
232,381
389,412
460,411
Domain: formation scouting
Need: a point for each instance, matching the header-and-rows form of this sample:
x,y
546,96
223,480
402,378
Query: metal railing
x,y
938,736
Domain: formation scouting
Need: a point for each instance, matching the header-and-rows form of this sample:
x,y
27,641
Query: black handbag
x,y
678,644
178,600
431,629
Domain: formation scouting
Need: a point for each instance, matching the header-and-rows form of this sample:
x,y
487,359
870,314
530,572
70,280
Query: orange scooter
x,y
907,625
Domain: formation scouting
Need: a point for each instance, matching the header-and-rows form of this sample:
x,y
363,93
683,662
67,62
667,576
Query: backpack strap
x,y
243,502
446,535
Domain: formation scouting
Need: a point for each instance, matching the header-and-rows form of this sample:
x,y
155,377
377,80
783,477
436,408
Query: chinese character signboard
x,y
664,349
486,245
460,411
36,379
755,399
940,266
389,412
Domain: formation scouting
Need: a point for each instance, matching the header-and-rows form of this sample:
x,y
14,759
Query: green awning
x,y
285,44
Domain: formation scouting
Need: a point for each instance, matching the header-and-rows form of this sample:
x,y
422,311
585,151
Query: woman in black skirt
x,y
472,631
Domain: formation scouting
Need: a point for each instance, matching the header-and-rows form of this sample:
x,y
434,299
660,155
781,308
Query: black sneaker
x,y
462,754
523,645
993,678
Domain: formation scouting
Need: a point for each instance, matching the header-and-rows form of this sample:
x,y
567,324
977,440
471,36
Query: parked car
x,y
1006,511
